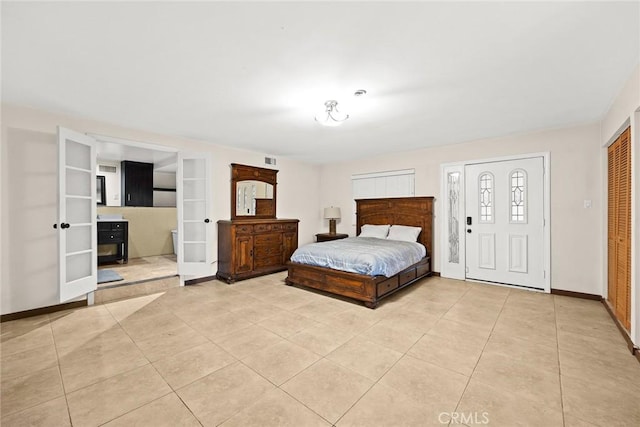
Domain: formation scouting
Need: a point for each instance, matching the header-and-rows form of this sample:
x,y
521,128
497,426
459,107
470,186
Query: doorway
x,y
137,221
77,225
495,226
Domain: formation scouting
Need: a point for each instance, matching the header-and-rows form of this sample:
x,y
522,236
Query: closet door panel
x,y
619,227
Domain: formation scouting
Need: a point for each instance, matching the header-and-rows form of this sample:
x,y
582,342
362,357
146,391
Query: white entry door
x,y
195,229
76,214
504,213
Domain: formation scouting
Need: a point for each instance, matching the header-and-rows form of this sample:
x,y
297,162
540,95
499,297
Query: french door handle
x,y
207,220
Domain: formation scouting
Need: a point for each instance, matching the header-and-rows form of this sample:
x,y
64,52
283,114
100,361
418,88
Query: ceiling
x,y
253,75
110,150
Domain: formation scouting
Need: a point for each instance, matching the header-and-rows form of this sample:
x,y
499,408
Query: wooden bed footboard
x,y
369,289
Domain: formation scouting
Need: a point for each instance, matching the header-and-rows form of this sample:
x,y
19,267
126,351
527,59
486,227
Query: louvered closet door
x,y
619,227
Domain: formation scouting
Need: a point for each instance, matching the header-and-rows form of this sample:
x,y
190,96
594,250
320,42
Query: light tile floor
x,y
261,353
144,268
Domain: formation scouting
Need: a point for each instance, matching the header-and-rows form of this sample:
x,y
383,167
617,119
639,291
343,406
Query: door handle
x,y
65,225
207,220
468,220
469,230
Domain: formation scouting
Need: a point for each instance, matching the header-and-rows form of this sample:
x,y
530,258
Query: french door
x,y
504,222
195,228
77,234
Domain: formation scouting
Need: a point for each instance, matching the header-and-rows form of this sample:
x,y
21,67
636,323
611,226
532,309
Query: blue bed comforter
x,y
362,255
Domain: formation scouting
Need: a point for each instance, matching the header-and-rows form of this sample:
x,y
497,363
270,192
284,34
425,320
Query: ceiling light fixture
x,y
331,116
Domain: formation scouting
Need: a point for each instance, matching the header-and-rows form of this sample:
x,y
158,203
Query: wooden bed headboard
x,y
413,211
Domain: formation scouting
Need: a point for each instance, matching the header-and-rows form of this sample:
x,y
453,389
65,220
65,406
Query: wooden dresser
x,y
254,247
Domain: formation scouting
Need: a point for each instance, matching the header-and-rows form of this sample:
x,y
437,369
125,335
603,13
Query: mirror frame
x,y
241,173
101,188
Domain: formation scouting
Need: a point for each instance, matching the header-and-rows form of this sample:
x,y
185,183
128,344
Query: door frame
x,y
169,149
457,270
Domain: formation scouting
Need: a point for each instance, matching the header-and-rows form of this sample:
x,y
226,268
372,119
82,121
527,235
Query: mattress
x,y
362,255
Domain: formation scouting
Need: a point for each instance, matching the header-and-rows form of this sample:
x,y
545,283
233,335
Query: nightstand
x,y
326,237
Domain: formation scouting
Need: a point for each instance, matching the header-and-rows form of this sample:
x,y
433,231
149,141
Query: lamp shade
x,y
332,213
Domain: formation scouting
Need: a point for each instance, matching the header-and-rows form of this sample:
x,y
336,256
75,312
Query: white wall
x,y
625,112
576,235
29,257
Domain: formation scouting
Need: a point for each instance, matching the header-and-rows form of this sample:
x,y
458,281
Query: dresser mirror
x,y
253,192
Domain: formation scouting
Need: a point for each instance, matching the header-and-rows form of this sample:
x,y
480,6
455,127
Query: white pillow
x,y
404,233
377,231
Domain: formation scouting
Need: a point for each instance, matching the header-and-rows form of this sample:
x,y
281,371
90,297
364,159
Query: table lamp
x,y
332,214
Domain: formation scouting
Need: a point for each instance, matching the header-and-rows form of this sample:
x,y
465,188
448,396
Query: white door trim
x,y
446,269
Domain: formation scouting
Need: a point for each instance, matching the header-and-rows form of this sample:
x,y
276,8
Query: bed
x,y
411,211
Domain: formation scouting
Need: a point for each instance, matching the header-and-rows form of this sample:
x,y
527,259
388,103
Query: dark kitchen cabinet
x,y
137,183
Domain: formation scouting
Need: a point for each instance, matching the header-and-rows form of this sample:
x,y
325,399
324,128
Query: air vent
x,y
107,169
269,160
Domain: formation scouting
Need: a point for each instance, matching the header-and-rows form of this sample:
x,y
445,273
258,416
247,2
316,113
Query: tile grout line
x,y
483,349
112,376
64,393
64,390
279,387
317,361
396,362
155,369
555,316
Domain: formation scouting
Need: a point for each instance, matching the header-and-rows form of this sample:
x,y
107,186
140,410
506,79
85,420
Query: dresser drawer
x,y
276,227
261,228
268,250
290,227
244,229
268,239
270,261
110,236
110,226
